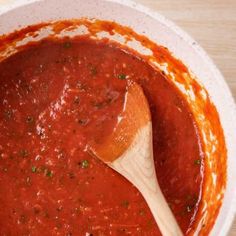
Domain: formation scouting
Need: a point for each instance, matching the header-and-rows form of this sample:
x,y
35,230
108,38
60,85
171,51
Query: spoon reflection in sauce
x,y
129,151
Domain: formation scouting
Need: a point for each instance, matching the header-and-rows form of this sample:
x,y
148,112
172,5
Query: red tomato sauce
x,y
55,97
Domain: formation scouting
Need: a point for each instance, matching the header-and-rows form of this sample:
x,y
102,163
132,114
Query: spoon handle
x,y
137,165
161,212
151,192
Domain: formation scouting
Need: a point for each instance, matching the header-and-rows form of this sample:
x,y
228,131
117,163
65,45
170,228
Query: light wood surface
x,y
212,23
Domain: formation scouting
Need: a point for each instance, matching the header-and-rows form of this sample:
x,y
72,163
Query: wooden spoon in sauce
x,y
129,151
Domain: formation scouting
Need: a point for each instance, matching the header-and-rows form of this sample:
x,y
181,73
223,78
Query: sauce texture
x,y
55,97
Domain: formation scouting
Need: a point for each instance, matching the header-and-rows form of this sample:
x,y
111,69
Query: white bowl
x,y
16,14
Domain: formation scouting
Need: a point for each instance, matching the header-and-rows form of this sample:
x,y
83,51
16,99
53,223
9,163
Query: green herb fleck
x,y
197,162
122,76
67,44
125,204
48,173
85,164
34,169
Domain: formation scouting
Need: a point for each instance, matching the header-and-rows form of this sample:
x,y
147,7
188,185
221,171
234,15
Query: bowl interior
x,y
21,13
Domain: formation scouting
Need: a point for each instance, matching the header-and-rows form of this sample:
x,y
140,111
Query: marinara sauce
x,y
55,97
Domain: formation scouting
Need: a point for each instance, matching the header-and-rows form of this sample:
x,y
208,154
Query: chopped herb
x,y
67,44
197,162
29,119
48,173
125,204
34,169
122,76
24,153
85,164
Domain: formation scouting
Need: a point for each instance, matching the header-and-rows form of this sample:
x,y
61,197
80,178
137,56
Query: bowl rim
x,y
230,214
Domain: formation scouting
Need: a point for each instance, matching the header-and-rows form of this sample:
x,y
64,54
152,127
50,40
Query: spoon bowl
x,y
129,151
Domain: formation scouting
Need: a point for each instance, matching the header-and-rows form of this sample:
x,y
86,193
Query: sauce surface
x,y
55,97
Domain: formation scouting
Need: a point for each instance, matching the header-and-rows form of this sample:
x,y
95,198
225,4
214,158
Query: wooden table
x,y
212,23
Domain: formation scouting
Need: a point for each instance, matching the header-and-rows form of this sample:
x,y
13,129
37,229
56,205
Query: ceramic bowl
x,y
15,14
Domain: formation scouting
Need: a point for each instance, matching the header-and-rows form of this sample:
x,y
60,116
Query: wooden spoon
x,y
129,151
